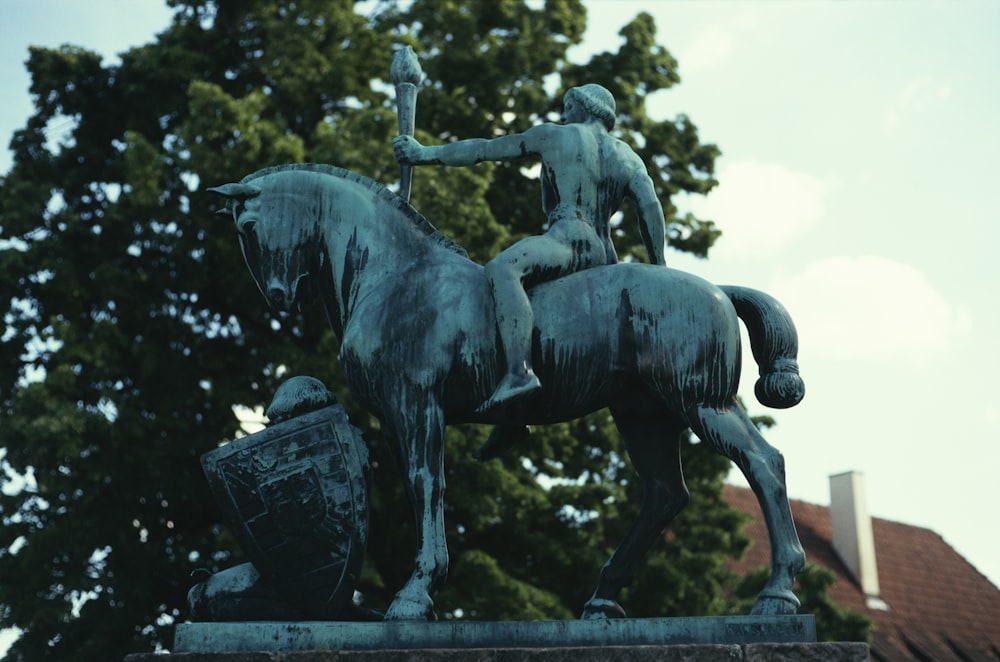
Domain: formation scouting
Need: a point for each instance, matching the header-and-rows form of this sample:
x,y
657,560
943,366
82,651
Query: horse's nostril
x,y
276,295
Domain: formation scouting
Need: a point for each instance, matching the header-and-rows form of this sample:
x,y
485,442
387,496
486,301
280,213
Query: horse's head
x,y
277,221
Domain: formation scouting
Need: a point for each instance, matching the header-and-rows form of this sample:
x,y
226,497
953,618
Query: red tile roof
x,y
940,606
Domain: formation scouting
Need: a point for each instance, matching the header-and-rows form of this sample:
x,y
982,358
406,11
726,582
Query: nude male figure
x,y
586,174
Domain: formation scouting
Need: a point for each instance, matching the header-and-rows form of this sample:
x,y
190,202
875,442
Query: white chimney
x,y
853,539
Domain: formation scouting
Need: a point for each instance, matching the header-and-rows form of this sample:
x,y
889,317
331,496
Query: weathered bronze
x,y
586,174
296,497
406,75
419,349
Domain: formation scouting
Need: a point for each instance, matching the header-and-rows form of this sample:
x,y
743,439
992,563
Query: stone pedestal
x,y
800,652
414,635
736,639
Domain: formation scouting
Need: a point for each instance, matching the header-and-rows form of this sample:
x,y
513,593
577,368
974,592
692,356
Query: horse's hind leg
x,y
731,432
653,442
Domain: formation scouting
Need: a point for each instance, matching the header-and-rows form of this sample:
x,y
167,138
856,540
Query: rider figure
x,y
586,174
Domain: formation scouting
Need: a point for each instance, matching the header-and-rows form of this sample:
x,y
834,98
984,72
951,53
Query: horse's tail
x,y
774,343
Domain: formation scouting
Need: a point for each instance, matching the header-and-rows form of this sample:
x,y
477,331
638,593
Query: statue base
x,y
822,652
398,635
795,652
694,639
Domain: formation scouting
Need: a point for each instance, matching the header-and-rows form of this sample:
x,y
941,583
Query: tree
x,y
131,327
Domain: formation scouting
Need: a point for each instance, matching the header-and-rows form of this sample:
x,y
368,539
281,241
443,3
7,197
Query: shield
x,y
295,494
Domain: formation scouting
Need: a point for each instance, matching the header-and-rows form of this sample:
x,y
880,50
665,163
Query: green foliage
x,y
131,327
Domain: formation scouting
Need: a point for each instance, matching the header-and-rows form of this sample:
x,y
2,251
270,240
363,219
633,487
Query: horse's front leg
x,y
418,432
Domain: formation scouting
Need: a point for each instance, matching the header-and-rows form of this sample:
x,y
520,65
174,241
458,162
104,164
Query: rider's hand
x,y
407,149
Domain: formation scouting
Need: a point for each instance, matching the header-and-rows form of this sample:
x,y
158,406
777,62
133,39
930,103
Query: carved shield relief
x,y
296,496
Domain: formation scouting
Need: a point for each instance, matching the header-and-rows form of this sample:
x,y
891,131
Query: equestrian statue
x,y
551,329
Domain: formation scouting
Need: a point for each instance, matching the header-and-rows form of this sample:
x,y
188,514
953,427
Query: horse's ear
x,y
236,191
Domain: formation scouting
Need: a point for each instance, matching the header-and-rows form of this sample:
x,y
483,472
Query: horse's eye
x,y
247,226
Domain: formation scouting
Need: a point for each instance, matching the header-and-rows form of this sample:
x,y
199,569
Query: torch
x,y
406,74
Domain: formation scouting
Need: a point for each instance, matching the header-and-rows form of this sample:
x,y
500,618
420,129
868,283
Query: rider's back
x,y
587,171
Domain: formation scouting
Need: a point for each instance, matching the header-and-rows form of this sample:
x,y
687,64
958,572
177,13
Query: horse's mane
x,y
387,196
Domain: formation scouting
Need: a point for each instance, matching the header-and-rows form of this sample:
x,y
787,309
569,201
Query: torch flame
x,y
406,67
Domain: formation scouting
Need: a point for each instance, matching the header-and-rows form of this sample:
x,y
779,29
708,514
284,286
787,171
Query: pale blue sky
x,y
858,174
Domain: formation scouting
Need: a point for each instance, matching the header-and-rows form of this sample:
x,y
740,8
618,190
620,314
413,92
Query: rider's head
x,y
596,101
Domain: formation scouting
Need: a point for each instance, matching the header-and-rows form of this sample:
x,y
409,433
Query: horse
x,y
419,349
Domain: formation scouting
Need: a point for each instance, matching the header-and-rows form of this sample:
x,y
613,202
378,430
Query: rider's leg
x,y
506,274
568,246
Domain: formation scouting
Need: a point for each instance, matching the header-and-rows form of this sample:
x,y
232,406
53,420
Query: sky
x,y
856,184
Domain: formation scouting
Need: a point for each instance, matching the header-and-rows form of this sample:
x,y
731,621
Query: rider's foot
x,y
513,387
501,439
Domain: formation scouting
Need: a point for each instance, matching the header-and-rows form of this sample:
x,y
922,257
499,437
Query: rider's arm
x,y
467,152
651,222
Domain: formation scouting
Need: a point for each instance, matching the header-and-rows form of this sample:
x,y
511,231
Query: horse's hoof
x,y
405,608
598,609
776,603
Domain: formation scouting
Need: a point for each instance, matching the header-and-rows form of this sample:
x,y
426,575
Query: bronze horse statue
x,y
419,349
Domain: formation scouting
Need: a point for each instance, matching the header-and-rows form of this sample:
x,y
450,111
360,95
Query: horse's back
x,y
607,330
613,301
